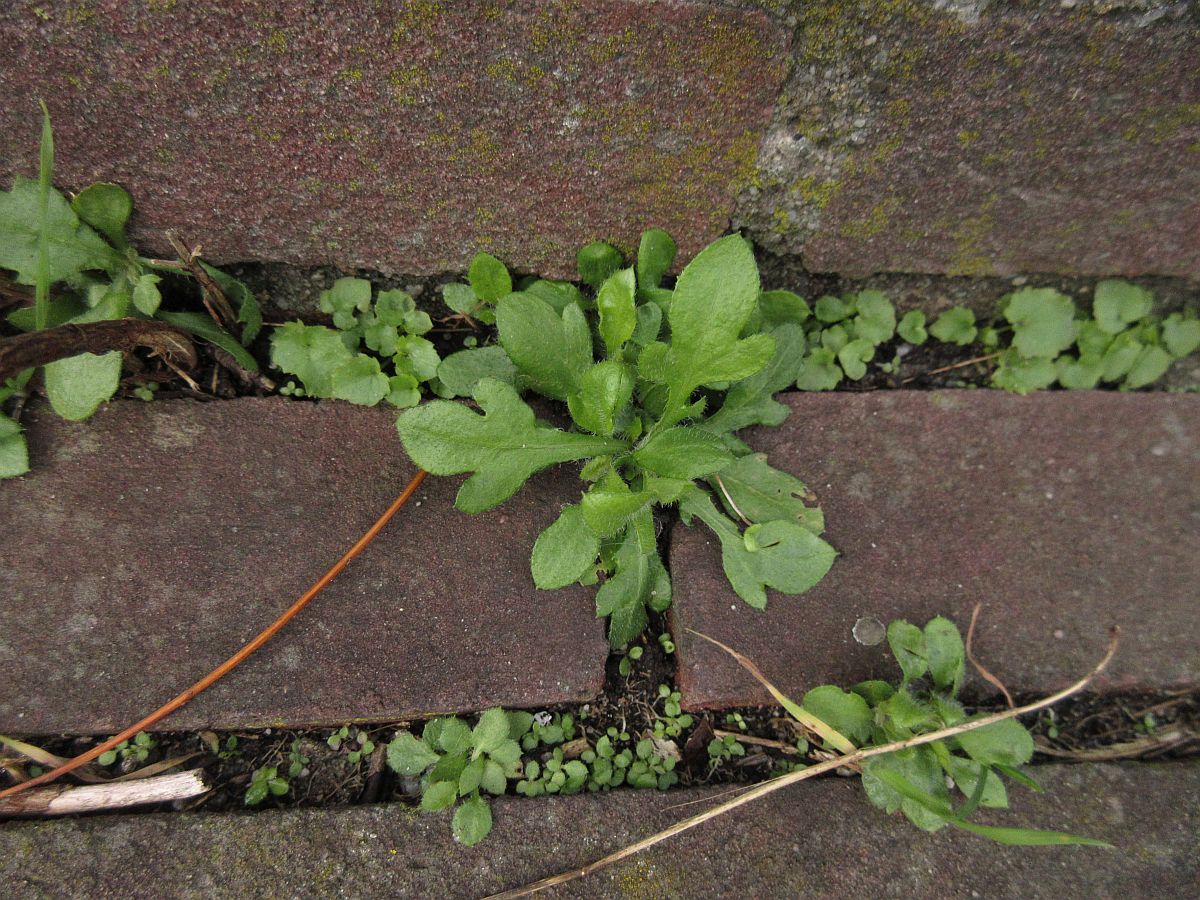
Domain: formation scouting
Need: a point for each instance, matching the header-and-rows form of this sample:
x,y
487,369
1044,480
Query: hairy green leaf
x,y
565,551
14,454
603,392
106,207
764,494
819,371
1181,335
597,261
409,755
845,712
553,352
1152,364
503,447
472,821
359,380
1004,743
439,795
489,278
683,452
1043,321
461,371
1117,303
782,308
490,731
752,400
146,296
912,327
779,554
310,352
714,297
618,314
876,319
945,653
955,326
656,252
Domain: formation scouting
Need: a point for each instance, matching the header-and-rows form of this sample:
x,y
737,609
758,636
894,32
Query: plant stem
x,y
230,664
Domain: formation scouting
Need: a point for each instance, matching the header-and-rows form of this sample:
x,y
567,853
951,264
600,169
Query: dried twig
x,y
1143,746
214,298
950,368
979,667
234,661
775,784
27,351
64,800
761,742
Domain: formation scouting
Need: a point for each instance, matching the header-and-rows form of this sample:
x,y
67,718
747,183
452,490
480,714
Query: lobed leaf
x,y
503,447
565,551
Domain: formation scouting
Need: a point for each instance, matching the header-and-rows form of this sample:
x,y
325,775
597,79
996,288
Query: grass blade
x,y
41,296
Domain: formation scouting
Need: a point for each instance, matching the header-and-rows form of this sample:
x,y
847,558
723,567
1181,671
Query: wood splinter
x,y
63,800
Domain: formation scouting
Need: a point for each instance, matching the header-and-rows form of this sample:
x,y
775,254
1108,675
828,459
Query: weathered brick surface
x,y
152,541
986,138
401,136
1063,513
819,839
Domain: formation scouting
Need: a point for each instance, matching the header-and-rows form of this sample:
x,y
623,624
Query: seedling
x,y
265,782
297,761
628,658
222,750
456,762
136,750
329,362
358,745
673,721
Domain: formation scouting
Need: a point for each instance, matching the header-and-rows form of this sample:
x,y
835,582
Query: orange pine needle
x,y
234,661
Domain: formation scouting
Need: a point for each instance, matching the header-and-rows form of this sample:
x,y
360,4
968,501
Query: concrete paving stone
x,y
150,542
403,137
819,839
1062,512
971,138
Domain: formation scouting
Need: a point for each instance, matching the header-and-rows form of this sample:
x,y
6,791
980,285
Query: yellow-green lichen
x,y
874,222
970,257
967,137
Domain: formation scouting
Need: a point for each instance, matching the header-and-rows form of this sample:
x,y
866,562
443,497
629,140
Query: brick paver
x,y
150,542
1062,512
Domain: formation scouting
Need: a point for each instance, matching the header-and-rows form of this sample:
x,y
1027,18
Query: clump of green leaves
x,y
1121,343
548,730
265,782
227,749
357,743
672,721
921,781
136,750
80,245
330,362
460,764
656,382
1042,340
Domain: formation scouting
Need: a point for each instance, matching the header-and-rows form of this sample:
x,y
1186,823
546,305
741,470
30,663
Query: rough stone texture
x,y
153,540
819,839
1062,512
985,138
402,136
